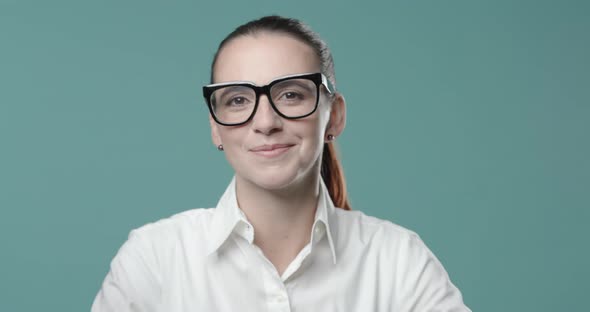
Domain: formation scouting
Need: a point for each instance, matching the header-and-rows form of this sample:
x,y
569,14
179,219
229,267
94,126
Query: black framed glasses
x,y
292,97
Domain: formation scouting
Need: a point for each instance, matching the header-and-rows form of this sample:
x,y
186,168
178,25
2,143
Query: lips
x,y
271,150
263,148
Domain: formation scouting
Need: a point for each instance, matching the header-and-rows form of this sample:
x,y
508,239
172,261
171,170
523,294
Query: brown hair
x,y
331,169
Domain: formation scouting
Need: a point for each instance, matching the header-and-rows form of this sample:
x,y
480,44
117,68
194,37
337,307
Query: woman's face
x,y
298,143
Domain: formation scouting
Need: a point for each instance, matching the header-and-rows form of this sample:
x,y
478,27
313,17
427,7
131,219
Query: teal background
x,y
468,123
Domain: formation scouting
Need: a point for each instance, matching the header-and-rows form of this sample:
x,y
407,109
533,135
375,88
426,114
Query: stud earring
x,y
220,147
330,137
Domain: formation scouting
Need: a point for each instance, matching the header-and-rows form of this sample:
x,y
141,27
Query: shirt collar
x,y
225,218
228,218
324,217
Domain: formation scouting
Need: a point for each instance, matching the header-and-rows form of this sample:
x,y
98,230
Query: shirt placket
x,y
277,297
275,286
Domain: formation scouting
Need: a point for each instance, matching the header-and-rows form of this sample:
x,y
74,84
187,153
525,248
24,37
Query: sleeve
x,y
422,282
132,284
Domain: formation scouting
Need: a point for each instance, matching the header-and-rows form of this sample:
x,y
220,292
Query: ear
x,y
214,132
337,116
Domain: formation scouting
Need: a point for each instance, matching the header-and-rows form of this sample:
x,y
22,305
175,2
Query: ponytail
x,y
333,177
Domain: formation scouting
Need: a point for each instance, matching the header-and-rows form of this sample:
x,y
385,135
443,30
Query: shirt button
x,y
281,297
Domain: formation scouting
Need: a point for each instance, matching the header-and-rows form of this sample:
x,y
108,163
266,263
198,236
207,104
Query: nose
x,y
266,120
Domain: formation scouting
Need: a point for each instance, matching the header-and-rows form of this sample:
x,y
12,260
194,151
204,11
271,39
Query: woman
x,y
282,237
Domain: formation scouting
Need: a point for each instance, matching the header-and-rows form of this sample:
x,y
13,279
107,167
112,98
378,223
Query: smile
x,y
270,151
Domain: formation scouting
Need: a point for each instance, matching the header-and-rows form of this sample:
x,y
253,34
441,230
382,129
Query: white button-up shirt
x,y
205,260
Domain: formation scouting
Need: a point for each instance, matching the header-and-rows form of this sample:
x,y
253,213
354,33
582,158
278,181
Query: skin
x,y
279,194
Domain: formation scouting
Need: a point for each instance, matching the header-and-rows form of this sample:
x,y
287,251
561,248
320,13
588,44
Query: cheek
x,y
312,136
232,139
233,136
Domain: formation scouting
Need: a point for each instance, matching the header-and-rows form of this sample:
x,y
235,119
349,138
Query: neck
x,y
278,211
282,219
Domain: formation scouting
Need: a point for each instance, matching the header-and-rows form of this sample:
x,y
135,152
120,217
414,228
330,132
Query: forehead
x,y
262,57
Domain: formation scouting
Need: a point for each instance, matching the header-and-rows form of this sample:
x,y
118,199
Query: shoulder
x,y
189,223
394,243
355,224
393,249
420,280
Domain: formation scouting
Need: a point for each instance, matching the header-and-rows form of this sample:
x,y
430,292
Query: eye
x,y
290,95
237,101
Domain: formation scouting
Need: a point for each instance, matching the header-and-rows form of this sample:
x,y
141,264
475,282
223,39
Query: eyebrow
x,y
232,89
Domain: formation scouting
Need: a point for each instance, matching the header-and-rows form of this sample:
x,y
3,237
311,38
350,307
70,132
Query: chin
x,y
277,178
278,175
276,181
